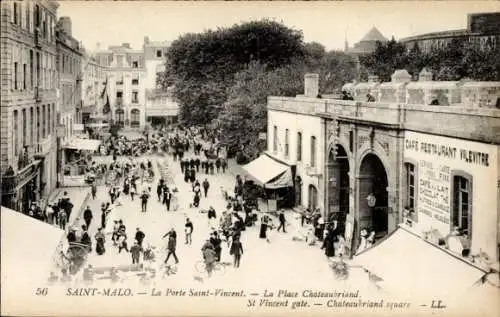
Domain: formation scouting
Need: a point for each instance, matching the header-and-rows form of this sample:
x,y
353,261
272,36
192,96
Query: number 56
x,y
41,291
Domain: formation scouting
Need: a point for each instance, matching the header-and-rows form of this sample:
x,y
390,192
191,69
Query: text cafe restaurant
x,y
451,213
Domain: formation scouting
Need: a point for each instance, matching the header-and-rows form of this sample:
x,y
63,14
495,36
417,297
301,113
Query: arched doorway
x,y
120,117
338,184
135,119
313,198
373,198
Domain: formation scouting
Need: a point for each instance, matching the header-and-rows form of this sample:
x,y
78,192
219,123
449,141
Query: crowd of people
x,y
131,173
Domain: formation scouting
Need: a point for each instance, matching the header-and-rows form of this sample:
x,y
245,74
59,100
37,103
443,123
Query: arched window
x,y
120,116
135,118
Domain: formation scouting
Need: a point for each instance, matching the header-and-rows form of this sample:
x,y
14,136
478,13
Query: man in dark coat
x,y
197,164
237,251
282,220
217,164
224,165
171,245
191,163
159,190
167,196
206,185
139,236
193,175
87,216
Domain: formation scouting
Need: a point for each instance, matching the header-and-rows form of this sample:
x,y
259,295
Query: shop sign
x,y
434,190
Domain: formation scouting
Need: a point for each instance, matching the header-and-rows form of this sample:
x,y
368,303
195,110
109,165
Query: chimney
x,y
126,45
65,23
98,46
311,85
146,40
425,75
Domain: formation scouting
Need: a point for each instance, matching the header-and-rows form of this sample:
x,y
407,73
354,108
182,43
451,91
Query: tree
x,y
245,113
458,59
201,66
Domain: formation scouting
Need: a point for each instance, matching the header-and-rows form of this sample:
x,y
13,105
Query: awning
x,y
27,253
83,144
264,170
408,264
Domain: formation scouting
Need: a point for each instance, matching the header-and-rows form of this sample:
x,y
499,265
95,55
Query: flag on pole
x,y
106,108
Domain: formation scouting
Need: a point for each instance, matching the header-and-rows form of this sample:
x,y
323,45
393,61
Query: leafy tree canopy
x,y
459,59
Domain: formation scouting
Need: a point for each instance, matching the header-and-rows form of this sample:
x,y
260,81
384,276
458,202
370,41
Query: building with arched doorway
x,y
403,161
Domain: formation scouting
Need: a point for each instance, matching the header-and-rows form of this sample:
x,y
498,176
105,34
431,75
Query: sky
x,y
329,23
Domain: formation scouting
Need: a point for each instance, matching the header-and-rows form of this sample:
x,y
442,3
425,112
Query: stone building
x,y
403,158
29,101
126,81
483,30
70,55
160,105
94,81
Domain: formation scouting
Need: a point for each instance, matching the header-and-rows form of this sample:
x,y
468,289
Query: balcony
x,y
41,149
38,94
38,38
12,183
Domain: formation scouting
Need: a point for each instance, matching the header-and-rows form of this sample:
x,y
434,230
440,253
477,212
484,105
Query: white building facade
x,y
297,140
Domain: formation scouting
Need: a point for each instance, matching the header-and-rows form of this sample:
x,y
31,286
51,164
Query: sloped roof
x,y
373,36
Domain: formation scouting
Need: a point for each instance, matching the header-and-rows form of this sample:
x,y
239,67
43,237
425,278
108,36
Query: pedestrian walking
x,y
206,185
282,221
135,251
218,164
122,241
211,216
236,251
144,201
224,165
167,197
159,190
132,192
87,216
139,236
103,215
188,230
63,219
100,240
171,245
93,190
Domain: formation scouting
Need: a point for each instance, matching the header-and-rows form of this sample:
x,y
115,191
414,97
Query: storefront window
x,y
462,203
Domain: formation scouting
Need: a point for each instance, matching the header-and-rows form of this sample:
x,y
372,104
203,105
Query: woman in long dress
x,y
100,239
264,221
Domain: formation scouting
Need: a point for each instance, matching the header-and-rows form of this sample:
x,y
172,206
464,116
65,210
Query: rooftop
x,y
374,35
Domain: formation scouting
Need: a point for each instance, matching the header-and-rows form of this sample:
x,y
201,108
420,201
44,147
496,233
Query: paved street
x,y
262,264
